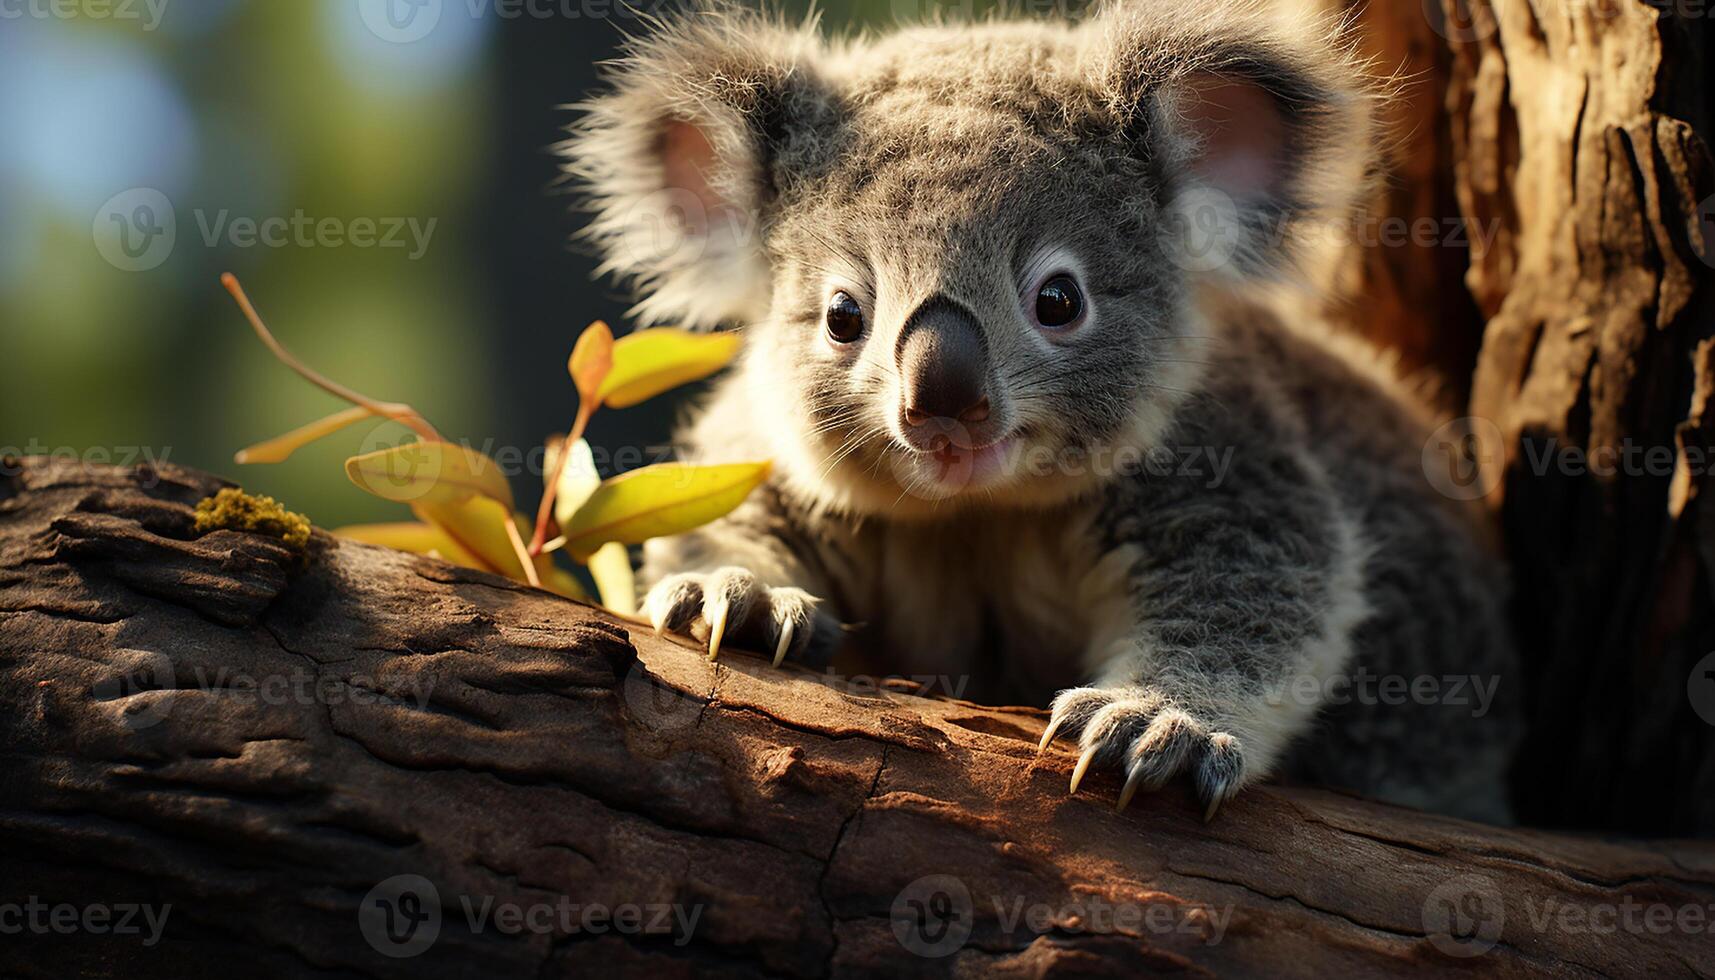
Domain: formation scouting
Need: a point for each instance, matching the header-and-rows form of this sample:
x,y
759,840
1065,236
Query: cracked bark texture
x,y
1581,130
260,740
1573,316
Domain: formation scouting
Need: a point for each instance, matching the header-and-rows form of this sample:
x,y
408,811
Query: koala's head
x,y
966,256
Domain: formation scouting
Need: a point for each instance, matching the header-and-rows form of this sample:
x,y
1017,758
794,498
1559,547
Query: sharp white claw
x,y
658,617
1130,790
1048,735
785,642
717,628
1214,804
1083,767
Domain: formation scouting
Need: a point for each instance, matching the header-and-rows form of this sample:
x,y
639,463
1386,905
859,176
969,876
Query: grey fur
x,y
963,162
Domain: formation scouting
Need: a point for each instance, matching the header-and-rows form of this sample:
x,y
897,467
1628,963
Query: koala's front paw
x,y
730,602
1153,736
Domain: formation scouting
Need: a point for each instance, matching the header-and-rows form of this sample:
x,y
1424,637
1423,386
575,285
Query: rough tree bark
x,y
1571,139
1582,127
262,741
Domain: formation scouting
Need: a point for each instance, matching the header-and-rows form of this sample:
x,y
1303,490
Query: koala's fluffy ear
x,y
703,123
1261,121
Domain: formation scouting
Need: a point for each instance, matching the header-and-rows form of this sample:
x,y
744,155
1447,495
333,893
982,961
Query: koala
x,y
1033,418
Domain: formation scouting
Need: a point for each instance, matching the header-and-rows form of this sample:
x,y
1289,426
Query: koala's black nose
x,y
943,365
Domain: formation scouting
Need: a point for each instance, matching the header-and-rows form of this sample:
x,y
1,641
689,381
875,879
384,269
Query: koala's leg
x,y
747,578
1244,600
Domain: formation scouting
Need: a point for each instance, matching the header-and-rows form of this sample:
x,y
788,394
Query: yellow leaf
x,y
278,450
421,539
658,501
561,582
592,359
578,479
477,525
649,362
611,568
429,471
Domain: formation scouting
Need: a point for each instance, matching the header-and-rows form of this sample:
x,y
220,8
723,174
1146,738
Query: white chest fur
x,y
1029,598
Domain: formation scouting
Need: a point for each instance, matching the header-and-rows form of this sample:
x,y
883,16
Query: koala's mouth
x,y
950,469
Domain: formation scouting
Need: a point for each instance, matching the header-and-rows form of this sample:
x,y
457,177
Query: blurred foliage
x,y
259,109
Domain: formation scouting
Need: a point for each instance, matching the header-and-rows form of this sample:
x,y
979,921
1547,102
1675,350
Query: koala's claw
x,y
1152,737
730,602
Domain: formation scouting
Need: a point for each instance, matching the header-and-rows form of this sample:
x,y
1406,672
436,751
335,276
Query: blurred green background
x,y
139,141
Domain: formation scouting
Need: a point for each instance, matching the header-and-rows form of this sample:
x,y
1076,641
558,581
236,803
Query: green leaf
x,y
658,501
649,362
418,472
278,450
610,566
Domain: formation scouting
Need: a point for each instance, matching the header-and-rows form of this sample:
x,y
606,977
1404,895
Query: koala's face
x,y
952,248
964,305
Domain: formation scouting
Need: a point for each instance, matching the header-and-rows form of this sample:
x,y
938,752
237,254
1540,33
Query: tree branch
x,y
264,743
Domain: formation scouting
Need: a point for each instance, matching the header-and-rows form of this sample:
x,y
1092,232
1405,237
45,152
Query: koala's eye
x,y
1059,304
845,318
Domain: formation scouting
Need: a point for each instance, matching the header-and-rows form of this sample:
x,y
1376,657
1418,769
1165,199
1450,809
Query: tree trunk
x,y
1562,148
336,763
1581,130
287,756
